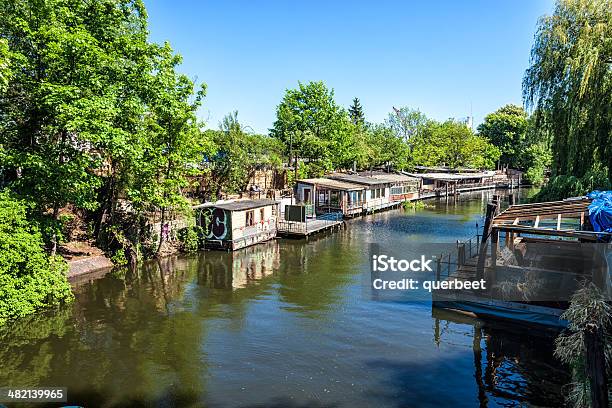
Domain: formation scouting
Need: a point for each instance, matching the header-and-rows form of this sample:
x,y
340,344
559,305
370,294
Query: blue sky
x,y
438,56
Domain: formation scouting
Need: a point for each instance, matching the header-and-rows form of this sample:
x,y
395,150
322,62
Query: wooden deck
x,y
304,229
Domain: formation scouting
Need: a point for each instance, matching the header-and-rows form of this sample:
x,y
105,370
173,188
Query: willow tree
x,y
569,83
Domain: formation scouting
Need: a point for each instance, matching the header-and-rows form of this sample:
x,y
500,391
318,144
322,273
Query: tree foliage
x,y
94,112
29,278
356,112
311,125
506,128
569,82
406,122
452,144
239,153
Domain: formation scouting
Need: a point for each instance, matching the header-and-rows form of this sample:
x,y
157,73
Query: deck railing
x,y
466,251
296,227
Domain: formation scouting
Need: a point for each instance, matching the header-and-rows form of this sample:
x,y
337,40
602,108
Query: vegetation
x,y
588,310
29,278
569,83
238,154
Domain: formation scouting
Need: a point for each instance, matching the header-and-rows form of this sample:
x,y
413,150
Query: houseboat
x,y
403,187
237,224
377,190
452,182
533,257
330,195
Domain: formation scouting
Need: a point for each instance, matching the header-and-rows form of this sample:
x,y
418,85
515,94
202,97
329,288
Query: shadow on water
x,y
512,365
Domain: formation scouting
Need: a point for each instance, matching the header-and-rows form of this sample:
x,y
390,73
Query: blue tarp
x,y
600,210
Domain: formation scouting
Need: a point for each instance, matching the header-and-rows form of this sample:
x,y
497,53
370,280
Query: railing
x,y
448,264
293,227
322,221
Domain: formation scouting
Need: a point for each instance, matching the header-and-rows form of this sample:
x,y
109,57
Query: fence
x,y
448,264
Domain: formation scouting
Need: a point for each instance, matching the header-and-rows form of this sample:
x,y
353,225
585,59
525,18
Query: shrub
x,y
563,186
29,279
190,238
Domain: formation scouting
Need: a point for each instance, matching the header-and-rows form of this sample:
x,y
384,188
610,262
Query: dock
x,y
304,229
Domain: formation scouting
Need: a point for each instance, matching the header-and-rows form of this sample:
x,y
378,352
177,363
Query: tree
x,y
29,279
238,154
356,112
406,123
311,125
453,144
506,128
569,83
174,147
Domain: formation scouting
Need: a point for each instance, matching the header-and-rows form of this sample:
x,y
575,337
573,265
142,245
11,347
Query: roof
x,y
333,184
238,205
446,169
355,178
556,218
453,176
393,177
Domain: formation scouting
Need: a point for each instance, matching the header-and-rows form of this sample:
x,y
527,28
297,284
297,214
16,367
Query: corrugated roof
x,y
391,177
333,184
238,205
355,178
453,176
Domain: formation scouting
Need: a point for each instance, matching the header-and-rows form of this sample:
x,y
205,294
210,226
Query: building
x,y
403,187
441,179
237,224
377,190
329,195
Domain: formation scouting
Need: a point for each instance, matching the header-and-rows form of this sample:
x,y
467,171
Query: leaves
x,y
29,278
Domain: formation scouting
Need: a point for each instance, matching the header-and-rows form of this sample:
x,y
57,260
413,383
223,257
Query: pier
x,y
304,229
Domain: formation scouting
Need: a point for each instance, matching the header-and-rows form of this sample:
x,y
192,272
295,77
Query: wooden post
x,y
596,366
491,209
461,253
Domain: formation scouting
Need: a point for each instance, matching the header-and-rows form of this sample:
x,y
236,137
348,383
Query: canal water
x,y
283,324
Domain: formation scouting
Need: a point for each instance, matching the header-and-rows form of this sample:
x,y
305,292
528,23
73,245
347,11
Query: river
x,y
282,324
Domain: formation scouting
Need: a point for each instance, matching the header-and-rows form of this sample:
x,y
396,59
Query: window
x,y
250,218
262,214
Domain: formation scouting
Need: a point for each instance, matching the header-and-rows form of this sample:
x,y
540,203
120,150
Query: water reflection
x,y
512,365
280,324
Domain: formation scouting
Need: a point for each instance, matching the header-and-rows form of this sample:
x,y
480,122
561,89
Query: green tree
x,y
311,125
174,147
356,112
569,82
238,153
453,144
406,123
506,128
29,279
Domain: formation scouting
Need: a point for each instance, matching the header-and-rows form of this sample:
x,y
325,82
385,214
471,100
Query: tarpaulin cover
x,y
600,210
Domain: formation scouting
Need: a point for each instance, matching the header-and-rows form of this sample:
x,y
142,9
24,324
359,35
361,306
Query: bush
x,y
190,238
29,279
563,186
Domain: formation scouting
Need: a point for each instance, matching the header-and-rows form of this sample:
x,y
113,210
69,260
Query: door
x,y
307,195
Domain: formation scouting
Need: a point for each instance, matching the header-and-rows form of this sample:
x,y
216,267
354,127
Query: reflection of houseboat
x,y
234,270
237,224
549,250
